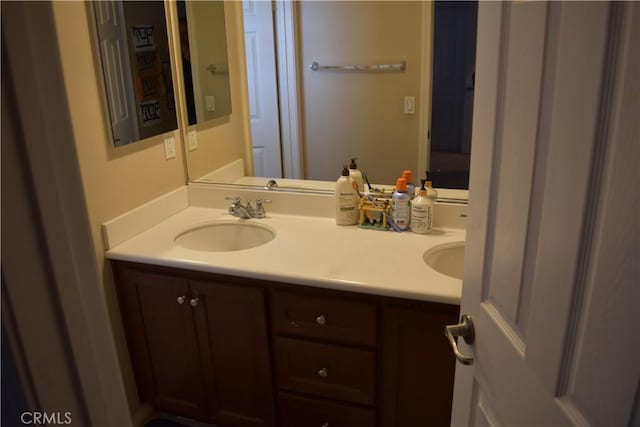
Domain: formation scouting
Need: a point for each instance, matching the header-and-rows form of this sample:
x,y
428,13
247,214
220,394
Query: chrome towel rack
x,y
400,66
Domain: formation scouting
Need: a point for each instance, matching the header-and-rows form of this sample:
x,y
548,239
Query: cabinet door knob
x,y
321,320
181,299
193,302
323,372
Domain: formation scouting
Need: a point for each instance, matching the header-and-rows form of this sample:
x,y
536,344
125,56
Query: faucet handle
x,y
260,212
234,199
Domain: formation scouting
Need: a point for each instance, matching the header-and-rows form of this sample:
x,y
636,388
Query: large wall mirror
x,y
205,63
136,68
389,82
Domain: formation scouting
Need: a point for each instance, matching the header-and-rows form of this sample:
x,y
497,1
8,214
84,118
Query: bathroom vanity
x,y
303,330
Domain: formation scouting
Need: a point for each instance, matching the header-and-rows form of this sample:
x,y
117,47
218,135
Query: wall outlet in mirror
x,y
193,140
169,147
211,103
409,105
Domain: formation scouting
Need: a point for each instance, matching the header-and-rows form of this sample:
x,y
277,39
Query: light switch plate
x,y
193,140
211,103
169,147
409,105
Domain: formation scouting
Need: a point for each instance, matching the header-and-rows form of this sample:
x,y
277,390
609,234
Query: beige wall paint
x,y
226,139
115,180
361,114
208,46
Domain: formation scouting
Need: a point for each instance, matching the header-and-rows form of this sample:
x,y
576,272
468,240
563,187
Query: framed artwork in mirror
x,y
133,48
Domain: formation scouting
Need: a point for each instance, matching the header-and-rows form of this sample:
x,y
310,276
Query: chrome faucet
x,y
238,210
271,184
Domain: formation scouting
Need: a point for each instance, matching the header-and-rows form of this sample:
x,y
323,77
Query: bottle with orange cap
x,y
400,210
411,189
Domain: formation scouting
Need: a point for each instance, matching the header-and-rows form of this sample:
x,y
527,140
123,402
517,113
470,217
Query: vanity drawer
x,y
304,412
326,370
329,318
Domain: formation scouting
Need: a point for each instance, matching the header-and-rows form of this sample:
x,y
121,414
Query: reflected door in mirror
x,y
136,69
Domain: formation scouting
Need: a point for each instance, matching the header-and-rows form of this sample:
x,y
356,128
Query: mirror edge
x,y
173,34
97,62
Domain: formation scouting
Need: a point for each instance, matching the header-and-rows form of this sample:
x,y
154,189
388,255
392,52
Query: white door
x,y
552,279
263,88
114,51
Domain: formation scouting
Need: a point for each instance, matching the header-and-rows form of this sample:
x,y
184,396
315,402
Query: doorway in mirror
x,y
454,58
260,50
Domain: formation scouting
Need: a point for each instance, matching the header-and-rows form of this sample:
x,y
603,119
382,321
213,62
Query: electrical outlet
x,y
169,147
409,105
193,140
211,103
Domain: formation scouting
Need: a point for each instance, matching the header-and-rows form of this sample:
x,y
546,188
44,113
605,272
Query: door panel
x,y
418,368
550,276
167,333
263,88
115,67
232,334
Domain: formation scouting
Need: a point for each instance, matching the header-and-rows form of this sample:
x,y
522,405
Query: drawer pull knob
x,y
193,302
323,372
321,320
181,300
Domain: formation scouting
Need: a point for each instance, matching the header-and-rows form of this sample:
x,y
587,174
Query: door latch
x,y
465,330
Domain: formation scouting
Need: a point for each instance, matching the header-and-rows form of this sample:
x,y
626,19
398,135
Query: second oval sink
x,y
446,259
225,236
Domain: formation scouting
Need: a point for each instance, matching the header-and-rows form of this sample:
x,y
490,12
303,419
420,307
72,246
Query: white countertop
x,y
307,250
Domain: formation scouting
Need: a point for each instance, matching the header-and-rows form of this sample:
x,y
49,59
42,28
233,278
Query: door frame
x,y
51,281
287,75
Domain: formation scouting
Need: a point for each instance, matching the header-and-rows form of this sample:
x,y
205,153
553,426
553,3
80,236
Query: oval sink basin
x,y
446,259
225,236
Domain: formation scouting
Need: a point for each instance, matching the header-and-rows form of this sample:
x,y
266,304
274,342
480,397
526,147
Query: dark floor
x,y
166,420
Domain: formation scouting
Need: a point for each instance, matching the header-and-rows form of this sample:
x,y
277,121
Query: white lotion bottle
x,y
400,206
346,200
356,174
422,212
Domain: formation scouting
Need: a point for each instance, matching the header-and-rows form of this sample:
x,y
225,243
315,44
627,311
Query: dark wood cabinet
x,y
299,411
232,332
162,340
200,348
417,366
243,352
324,370
333,319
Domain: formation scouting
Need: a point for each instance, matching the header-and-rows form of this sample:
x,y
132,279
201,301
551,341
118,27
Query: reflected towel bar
x,y
315,66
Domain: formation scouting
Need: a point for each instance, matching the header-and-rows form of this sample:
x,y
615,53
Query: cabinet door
x,y
418,367
232,332
162,341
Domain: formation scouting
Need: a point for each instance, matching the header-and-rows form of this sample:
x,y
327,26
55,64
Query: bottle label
x,y
347,206
421,218
347,203
401,213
